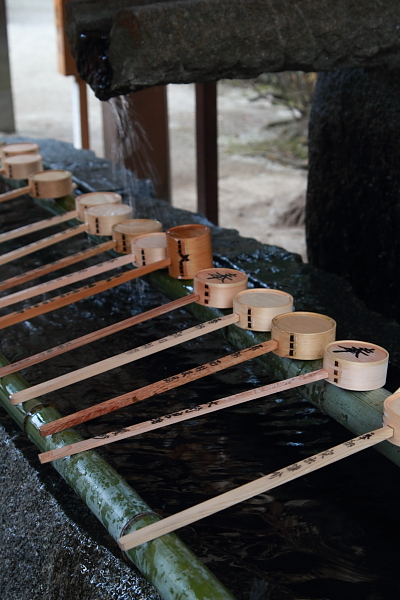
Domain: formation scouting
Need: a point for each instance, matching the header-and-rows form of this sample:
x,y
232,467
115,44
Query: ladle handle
x,y
15,193
59,282
247,491
75,295
184,415
55,265
97,335
44,243
159,387
38,226
122,359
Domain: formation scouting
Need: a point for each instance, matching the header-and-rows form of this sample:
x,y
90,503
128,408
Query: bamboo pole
x,y
76,295
15,193
159,387
54,266
38,226
259,486
98,220
170,566
53,183
204,294
184,415
60,282
97,335
43,243
123,359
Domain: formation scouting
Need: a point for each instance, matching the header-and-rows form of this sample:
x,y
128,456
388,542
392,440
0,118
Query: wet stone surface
x,y
328,535
52,547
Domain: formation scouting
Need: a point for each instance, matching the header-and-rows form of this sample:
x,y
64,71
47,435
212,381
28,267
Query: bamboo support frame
x,y
98,221
124,358
363,359
184,415
159,387
357,411
97,335
76,295
43,243
221,297
59,282
55,266
38,226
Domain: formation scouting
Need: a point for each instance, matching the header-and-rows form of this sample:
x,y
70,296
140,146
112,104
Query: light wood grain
x,y
85,201
15,193
258,307
97,335
53,183
124,233
303,335
356,365
18,148
218,287
249,490
60,282
44,184
122,359
149,248
189,248
20,166
76,295
55,266
38,226
391,416
159,387
102,217
43,243
184,415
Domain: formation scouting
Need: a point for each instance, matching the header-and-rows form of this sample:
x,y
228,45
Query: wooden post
x,y
145,148
207,150
6,104
66,66
80,115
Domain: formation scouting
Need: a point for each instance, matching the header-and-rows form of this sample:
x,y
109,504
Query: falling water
x,y
131,150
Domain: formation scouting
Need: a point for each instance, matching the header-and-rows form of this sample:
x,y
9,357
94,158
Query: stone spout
x,y
122,46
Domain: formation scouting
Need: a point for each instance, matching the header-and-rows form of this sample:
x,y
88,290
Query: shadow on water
x,y
328,535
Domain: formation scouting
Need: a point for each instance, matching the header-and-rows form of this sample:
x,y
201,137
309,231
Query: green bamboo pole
x,y
167,563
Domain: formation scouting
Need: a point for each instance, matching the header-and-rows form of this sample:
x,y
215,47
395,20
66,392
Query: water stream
x,y
132,150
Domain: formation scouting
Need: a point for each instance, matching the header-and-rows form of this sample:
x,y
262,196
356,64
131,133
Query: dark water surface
x,y
330,535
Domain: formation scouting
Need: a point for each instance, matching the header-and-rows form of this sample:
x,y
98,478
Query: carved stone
x,y
124,46
353,198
